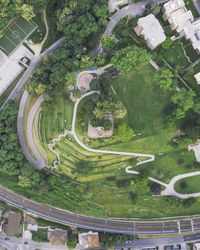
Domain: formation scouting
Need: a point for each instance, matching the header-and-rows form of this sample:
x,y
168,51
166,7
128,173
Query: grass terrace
x,y
188,185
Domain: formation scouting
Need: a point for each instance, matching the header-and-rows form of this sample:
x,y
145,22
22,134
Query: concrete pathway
x,y
73,132
52,145
151,157
41,162
170,187
131,171
98,71
38,47
196,149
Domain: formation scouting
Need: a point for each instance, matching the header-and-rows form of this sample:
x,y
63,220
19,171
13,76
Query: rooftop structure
x,y
152,31
100,132
114,4
197,77
29,219
13,225
182,21
58,237
172,6
196,246
89,240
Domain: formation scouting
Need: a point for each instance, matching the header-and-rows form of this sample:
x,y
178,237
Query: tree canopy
x,y
108,42
124,132
125,59
164,78
184,99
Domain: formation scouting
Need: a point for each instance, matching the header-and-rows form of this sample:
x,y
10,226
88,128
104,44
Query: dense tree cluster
x,y
124,132
82,20
109,240
11,156
55,71
9,9
165,79
184,99
125,59
108,42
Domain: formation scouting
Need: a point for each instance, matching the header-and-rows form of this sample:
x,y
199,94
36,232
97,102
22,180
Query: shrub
x,y
107,124
183,185
180,162
155,188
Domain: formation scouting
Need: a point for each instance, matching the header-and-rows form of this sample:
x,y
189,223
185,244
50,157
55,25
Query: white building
x,y
182,21
197,77
89,240
114,4
196,246
152,31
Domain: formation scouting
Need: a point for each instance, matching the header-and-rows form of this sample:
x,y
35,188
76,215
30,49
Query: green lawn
x,y
37,37
188,185
176,57
54,119
107,182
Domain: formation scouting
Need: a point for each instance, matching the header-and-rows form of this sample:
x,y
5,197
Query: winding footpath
x,y
73,132
83,221
170,187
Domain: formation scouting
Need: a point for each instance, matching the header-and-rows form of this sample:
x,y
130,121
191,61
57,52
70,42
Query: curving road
x,y
26,75
99,224
40,160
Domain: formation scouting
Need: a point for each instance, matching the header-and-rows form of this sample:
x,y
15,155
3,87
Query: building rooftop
x,y
89,240
30,220
151,30
13,226
173,5
58,237
197,77
182,21
114,4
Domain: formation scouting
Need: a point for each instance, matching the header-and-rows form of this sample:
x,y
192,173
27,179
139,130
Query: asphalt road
x,y
99,224
13,243
197,5
40,160
130,9
20,129
34,62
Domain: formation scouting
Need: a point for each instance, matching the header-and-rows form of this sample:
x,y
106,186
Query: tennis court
x,y
18,31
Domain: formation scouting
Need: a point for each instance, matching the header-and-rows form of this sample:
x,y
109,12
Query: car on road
x,y
6,239
25,242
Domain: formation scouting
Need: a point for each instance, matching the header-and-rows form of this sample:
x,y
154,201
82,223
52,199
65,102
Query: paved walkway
x,y
131,171
41,162
73,132
38,47
196,149
151,157
98,71
170,187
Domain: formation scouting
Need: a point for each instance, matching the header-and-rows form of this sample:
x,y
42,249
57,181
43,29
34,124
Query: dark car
x,y
6,239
